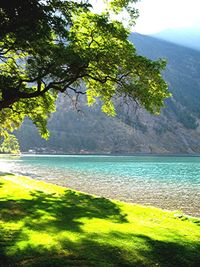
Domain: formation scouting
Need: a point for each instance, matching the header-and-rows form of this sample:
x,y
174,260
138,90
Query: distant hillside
x,y
185,36
176,130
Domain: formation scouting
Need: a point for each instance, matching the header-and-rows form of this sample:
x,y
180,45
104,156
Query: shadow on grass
x,y
92,253
65,211
49,213
162,253
6,173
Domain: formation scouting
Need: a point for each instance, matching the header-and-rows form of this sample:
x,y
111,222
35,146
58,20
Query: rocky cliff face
x,y
176,130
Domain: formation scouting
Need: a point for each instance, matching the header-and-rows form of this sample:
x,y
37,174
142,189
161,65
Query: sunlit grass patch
x,y
46,225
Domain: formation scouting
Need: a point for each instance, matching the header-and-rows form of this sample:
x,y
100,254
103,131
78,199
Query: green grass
x,y
46,225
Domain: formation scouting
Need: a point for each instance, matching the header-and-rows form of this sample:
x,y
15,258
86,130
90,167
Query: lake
x,y
168,182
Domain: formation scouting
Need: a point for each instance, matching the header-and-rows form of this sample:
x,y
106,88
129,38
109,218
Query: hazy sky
x,y
157,15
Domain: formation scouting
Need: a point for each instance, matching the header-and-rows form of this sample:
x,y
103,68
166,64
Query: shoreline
x,y
167,192
160,206
162,198
137,154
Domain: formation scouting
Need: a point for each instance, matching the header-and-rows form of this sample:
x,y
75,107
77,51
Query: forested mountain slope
x,y
176,130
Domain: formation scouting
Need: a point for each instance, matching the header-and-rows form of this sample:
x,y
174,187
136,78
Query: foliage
x,y
47,47
92,130
10,145
46,225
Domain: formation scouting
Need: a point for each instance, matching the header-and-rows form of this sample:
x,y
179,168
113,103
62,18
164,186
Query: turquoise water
x,y
167,182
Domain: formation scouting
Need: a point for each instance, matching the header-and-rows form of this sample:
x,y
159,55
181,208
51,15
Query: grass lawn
x,y
47,225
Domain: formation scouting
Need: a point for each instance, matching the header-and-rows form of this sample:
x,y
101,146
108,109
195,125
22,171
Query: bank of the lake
x,y
168,182
45,225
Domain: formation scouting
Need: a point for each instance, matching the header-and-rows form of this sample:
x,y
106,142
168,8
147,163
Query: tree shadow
x,y
163,253
8,237
90,252
65,210
6,173
51,213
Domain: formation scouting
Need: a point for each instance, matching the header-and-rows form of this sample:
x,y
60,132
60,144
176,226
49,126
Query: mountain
x,y
133,130
188,37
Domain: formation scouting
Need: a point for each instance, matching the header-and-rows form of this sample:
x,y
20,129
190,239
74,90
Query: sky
x,y
159,15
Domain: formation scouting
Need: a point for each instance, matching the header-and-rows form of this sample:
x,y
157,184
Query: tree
x,y
54,46
10,145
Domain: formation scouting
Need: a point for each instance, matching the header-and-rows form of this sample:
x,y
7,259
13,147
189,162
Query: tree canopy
x,y
10,145
49,47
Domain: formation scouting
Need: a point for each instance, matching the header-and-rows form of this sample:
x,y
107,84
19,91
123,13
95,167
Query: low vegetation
x,y
46,225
